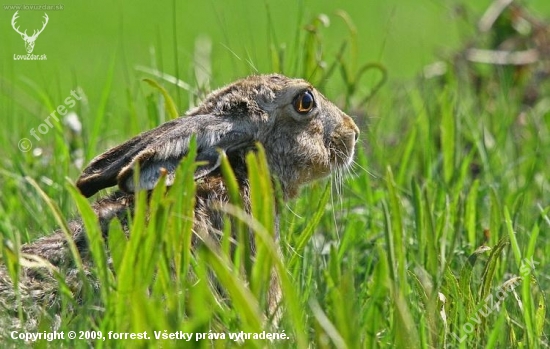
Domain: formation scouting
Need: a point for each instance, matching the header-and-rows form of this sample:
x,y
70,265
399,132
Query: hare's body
x,y
304,135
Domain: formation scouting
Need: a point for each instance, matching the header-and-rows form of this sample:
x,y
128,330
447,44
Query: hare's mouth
x,y
342,144
342,150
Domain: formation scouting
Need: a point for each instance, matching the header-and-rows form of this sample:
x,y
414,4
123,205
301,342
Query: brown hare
x,y
304,135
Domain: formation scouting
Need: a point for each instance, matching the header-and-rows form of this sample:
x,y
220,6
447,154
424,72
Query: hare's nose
x,y
348,121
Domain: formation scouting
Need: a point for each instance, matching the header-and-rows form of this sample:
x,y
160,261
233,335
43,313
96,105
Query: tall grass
x,y
446,205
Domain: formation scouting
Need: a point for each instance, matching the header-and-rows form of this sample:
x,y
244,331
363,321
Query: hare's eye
x,y
304,102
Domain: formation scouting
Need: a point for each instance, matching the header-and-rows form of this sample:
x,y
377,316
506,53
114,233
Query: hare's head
x,y
305,136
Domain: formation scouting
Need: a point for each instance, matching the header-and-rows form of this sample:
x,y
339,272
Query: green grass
x,y
446,203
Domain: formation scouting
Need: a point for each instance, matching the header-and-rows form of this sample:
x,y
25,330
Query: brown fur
x,y
299,148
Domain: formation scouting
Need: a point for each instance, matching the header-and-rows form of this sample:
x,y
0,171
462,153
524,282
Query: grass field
x,y
439,235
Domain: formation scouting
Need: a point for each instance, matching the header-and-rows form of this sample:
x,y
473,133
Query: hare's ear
x,y
162,149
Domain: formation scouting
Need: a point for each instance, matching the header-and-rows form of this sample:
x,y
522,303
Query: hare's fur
x,y
300,147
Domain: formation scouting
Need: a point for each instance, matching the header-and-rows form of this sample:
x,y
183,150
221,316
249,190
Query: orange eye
x,y
304,102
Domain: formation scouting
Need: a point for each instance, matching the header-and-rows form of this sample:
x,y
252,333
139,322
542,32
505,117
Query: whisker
x,y
292,211
365,170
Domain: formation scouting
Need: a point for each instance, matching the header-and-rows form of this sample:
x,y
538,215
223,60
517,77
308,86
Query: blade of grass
x,y
101,114
169,104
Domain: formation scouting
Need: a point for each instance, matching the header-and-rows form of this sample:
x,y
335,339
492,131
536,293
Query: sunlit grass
x,y
446,203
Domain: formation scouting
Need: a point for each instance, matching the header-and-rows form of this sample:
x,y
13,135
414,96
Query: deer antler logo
x,y
29,40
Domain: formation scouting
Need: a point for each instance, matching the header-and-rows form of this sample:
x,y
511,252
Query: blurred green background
x,y
81,40
466,157
103,47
